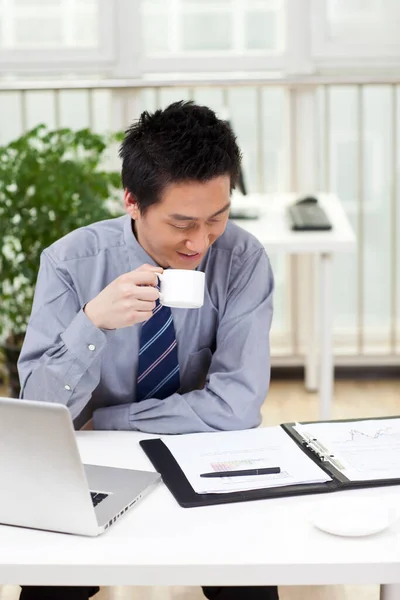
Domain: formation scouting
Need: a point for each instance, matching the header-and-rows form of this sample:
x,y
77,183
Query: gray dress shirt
x,y
223,347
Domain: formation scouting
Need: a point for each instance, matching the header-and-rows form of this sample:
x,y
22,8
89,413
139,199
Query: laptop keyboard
x,y
97,497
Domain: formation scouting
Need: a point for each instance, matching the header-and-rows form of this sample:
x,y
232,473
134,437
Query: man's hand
x,y
127,300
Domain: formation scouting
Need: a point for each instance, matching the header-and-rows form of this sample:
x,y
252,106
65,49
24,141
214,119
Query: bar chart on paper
x,y
239,450
236,465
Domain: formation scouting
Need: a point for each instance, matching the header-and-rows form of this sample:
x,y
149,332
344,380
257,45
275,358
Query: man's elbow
x,y
240,419
250,421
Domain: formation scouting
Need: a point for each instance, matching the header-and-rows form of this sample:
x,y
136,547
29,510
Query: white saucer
x,y
353,517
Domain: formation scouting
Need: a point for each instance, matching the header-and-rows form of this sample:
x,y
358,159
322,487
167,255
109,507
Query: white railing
x,y
304,134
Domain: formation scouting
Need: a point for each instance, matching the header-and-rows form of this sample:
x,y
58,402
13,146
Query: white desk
x,y
273,230
158,543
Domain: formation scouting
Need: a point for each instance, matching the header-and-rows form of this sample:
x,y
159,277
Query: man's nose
x,y
198,242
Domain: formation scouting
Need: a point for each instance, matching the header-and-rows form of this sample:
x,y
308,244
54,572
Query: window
x,y
38,34
213,34
176,26
48,23
356,32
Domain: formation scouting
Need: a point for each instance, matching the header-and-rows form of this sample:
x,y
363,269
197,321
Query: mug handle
x,y
160,276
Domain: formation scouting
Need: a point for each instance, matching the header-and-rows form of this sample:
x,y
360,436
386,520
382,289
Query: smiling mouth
x,y
189,256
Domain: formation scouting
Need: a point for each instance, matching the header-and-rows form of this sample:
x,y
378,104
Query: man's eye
x,y
180,227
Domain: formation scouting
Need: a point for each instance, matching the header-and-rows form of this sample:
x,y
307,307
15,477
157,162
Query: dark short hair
x,y
183,142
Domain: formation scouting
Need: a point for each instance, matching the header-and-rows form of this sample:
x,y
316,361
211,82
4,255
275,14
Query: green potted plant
x,y
51,182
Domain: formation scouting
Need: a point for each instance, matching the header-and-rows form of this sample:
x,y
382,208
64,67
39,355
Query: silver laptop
x,y
44,484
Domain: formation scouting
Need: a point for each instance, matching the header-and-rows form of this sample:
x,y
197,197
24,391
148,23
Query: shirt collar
x,y
135,248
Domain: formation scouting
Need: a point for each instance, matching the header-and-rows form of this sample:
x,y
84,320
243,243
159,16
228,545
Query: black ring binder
x,y
175,480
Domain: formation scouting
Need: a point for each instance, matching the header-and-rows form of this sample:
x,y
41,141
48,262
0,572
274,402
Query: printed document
x,y
198,453
363,450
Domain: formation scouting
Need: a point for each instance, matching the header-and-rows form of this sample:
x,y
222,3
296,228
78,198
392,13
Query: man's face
x,y
177,231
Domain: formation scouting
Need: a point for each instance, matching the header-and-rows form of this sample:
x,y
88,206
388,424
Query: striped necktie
x,y
158,369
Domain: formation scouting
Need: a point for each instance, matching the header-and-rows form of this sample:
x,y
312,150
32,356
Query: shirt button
x,y
67,387
92,347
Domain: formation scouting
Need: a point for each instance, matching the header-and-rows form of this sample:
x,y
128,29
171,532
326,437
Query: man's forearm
x,y
178,414
67,372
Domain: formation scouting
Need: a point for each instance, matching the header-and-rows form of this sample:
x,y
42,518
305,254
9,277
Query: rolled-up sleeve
x,y
60,358
239,375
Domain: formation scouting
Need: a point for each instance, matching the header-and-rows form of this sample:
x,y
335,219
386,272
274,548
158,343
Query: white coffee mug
x,y
180,288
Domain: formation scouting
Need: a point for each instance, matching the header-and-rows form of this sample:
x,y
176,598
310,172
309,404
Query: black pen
x,y
265,471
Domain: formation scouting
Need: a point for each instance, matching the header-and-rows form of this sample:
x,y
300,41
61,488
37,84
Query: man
x,y
96,311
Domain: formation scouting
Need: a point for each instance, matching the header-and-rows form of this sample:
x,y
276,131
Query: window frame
x,y
308,50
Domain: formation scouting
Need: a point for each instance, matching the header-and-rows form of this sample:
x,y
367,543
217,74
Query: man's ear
x,y
131,205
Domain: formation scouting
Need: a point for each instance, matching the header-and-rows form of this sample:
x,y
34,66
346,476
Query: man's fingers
x,y
147,292
149,268
150,271
143,305
142,278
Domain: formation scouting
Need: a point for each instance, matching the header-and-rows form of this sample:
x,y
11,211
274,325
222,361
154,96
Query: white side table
x,y
273,231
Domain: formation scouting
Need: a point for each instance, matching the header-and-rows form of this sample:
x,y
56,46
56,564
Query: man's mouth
x,y
189,256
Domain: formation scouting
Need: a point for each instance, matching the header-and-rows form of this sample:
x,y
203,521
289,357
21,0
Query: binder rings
x,y
175,480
